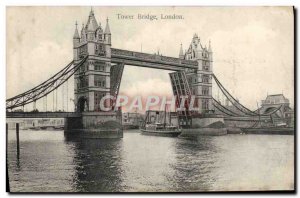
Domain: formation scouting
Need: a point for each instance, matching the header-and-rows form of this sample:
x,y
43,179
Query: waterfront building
x,y
134,119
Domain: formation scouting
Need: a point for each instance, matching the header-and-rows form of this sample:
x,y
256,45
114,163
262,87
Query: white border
x,y
5,3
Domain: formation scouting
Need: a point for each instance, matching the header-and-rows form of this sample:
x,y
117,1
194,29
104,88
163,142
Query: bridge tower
x,y
200,81
92,81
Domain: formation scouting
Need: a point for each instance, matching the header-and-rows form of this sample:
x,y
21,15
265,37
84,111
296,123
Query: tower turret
x,y
76,37
91,26
76,42
99,33
196,39
210,53
107,34
83,34
181,56
209,47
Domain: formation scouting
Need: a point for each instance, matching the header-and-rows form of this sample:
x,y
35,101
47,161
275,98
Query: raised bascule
x,y
97,69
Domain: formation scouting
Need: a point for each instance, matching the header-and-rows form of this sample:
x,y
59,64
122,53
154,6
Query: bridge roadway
x,y
249,118
78,114
151,60
42,114
237,118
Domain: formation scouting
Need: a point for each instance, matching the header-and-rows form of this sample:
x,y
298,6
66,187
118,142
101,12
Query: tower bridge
x,y
97,69
151,60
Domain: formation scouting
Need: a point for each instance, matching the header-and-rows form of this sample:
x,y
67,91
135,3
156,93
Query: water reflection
x,y
98,164
51,161
194,164
44,164
147,162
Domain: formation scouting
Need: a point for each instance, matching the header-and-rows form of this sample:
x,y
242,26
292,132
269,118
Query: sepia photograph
x,y
162,99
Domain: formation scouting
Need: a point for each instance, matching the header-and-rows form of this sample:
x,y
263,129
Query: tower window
x,y
205,65
205,78
99,81
99,66
205,104
205,90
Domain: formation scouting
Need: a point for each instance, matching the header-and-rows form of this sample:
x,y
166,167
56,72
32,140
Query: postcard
x,y
150,99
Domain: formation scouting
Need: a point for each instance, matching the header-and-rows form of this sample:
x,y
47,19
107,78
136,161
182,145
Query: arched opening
x,y
271,109
81,104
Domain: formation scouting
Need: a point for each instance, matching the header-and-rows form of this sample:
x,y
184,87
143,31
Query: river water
x,y
50,161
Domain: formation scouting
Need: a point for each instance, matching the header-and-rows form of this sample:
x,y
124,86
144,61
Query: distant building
x,y
132,119
28,123
273,102
270,104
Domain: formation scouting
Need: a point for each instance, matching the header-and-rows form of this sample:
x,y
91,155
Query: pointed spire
x,y
92,24
83,33
209,47
181,52
76,34
82,29
196,39
107,29
91,12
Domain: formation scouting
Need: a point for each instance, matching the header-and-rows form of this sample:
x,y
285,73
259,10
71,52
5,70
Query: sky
x,y
253,47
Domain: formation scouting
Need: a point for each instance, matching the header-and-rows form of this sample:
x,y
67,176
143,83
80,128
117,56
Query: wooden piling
x,y
7,178
18,142
6,138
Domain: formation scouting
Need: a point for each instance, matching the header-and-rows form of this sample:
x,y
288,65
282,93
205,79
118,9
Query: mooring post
x,y
18,145
6,138
7,179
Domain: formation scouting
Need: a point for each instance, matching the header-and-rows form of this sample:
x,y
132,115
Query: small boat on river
x,y
158,128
